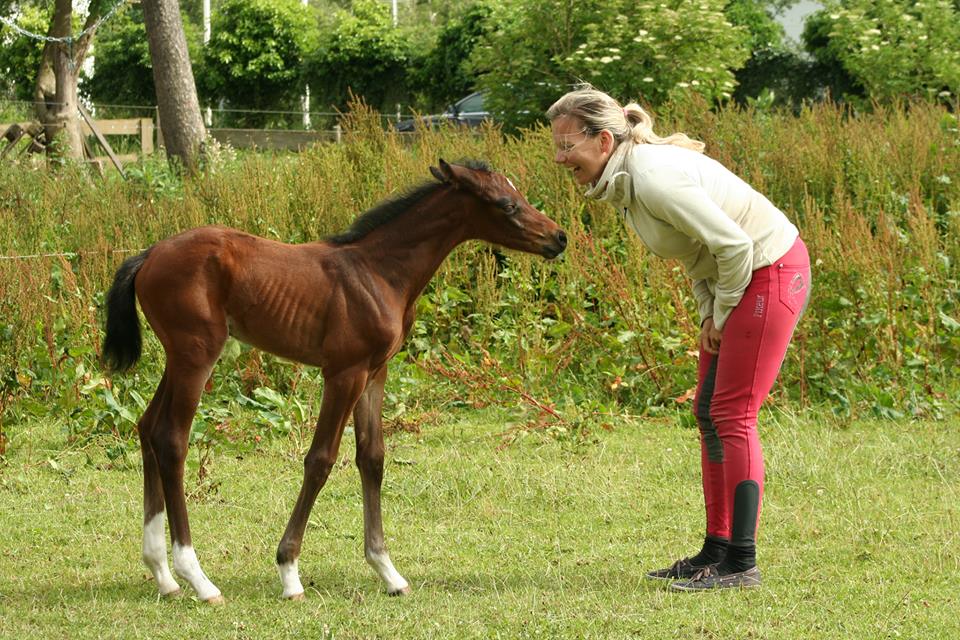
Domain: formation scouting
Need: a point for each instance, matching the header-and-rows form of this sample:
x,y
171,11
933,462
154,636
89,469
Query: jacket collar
x,y
614,185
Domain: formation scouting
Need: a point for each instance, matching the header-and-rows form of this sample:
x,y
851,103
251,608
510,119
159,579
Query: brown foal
x,y
344,304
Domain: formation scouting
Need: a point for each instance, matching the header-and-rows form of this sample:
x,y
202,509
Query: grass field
x,y
546,537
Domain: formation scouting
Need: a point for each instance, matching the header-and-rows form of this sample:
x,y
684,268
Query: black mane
x,y
391,209
384,212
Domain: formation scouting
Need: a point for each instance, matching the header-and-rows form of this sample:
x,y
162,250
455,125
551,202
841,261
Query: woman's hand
x,y
710,337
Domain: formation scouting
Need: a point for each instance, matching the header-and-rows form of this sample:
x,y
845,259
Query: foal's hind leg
x,y
186,373
154,542
370,452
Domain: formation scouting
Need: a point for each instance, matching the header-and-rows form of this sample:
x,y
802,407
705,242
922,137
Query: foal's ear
x,y
444,174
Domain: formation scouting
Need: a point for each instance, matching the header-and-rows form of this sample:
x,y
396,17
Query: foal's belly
x,y
277,342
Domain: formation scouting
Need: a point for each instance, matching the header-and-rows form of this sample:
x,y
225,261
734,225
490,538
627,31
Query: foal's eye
x,y
510,207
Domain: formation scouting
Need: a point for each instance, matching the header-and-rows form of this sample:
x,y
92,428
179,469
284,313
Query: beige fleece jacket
x,y
687,206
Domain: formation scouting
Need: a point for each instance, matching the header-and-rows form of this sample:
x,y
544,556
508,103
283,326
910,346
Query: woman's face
x,y
586,156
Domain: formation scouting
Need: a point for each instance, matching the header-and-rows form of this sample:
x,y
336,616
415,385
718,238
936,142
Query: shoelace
x,y
704,573
679,564
677,567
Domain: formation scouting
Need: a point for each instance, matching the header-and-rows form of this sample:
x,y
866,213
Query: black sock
x,y
713,551
739,558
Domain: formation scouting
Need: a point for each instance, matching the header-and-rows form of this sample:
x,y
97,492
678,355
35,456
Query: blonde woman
x,y
751,281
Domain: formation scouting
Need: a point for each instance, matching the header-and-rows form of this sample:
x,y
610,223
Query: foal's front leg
x,y
369,429
340,394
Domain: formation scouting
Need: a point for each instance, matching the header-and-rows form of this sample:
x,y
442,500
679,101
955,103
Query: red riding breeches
x,y
732,385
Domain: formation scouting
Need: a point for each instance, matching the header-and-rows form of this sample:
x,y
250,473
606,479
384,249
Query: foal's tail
x,y
122,344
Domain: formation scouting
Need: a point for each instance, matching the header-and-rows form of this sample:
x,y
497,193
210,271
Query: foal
x,y
344,305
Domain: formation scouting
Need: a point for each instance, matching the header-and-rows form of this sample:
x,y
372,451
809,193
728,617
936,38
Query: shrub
x,y
254,58
361,53
607,329
644,50
894,49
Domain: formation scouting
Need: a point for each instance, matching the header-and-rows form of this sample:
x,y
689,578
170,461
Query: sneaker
x,y
679,570
707,578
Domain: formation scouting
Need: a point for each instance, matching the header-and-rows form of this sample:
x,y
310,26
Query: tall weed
x,y
607,329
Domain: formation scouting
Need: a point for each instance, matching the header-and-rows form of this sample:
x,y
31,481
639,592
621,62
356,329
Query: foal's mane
x,y
392,208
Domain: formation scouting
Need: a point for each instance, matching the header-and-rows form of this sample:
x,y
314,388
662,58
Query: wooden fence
x,y
271,140
142,128
151,137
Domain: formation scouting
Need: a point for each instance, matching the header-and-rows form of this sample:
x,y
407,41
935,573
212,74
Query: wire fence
x,y
65,254
215,117
135,130
219,116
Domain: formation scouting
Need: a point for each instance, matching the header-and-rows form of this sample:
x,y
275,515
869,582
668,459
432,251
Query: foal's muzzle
x,y
558,244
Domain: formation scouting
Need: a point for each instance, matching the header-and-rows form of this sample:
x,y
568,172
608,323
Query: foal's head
x,y
502,215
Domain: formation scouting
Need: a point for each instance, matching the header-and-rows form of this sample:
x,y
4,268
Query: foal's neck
x,y
408,250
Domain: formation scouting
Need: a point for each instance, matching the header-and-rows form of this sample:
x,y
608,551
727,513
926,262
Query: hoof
x,y
297,597
405,591
216,600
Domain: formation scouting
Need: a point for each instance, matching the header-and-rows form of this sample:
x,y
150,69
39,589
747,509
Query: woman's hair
x,y
598,111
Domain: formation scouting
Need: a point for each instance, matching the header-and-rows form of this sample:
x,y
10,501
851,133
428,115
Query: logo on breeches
x,y
796,284
758,307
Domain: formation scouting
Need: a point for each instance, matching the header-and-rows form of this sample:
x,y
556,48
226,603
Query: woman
x,y
751,281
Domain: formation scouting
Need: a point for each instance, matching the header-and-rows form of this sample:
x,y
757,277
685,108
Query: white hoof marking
x,y
187,566
290,579
155,555
396,585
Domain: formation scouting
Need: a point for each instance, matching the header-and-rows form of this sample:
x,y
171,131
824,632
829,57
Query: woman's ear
x,y
607,142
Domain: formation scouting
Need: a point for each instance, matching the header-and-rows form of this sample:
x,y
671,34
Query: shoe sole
x,y
680,586
736,581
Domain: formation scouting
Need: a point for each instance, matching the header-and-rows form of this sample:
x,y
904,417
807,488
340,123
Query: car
x,y
468,111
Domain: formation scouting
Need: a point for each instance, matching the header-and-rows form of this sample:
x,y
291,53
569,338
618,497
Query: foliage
x,y
894,49
780,78
652,51
444,74
20,56
124,71
756,17
607,329
255,55
361,52
775,74
831,77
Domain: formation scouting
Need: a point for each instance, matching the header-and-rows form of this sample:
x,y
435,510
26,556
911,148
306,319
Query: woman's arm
x,y
672,196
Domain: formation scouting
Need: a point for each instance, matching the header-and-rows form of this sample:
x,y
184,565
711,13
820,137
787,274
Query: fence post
x,y
146,136
338,132
103,141
159,129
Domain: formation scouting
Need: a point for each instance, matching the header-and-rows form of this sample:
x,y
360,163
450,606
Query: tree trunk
x,y
183,130
56,89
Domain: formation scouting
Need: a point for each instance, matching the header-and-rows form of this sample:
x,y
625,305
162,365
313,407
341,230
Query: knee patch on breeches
x,y
708,430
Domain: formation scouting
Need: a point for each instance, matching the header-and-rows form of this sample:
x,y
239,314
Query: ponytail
x,y
598,112
641,130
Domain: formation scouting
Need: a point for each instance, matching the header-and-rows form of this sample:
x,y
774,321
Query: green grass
x,y
547,537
